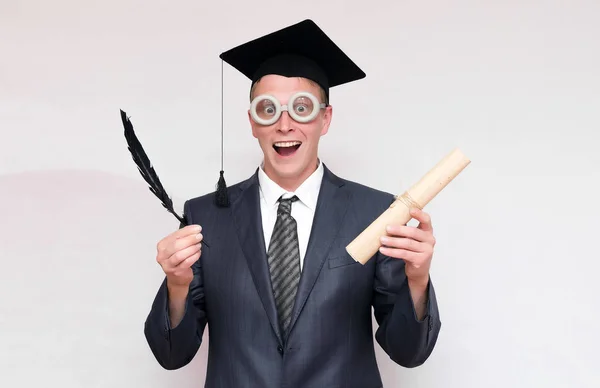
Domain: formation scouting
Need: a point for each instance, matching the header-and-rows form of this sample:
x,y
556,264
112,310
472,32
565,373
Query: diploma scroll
x,y
366,244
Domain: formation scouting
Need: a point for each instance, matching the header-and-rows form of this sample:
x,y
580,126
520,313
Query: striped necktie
x,y
284,261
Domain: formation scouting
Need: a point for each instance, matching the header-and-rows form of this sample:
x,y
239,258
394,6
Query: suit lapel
x,y
331,208
248,220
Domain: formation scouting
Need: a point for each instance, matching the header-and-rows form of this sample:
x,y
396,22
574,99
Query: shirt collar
x,y
307,193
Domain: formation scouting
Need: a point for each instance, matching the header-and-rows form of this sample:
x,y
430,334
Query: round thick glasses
x,y
266,109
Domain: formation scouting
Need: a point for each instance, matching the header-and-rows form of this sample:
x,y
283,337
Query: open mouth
x,y
286,148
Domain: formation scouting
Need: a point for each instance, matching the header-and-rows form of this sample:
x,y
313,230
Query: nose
x,y
285,122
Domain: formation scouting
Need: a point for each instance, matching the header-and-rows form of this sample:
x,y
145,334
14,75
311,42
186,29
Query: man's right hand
x,y
177,252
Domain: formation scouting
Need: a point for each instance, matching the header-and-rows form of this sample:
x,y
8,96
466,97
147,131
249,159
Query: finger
x,y
397,253
186,231
423,218
176,235
188,262
187,241
409,232
172,246
405,243
178,257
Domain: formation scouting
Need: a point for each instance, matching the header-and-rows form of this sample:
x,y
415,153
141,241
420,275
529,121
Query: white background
x,y
514,84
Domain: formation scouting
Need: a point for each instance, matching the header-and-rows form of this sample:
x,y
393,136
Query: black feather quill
x,y
147,170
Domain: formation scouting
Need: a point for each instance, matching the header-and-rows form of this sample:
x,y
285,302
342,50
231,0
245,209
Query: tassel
x,y
222,198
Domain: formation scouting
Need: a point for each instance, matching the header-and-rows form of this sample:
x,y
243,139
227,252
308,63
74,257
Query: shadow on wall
x,y
79,275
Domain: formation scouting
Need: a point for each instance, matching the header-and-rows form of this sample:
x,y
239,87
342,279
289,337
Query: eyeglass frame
x,y
279,108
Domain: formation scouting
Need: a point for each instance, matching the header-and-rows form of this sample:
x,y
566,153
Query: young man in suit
x,y
285,304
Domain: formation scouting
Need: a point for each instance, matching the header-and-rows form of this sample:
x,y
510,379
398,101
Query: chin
x,y
289,170
288,166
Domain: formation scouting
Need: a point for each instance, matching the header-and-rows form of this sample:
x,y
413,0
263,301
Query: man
x,y
285,304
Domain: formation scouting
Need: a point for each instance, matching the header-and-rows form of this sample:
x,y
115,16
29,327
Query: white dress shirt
x,y
303,210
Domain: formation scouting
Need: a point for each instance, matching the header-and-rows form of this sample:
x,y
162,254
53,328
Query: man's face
x,y
290,148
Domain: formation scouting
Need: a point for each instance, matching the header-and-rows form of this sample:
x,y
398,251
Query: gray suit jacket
x,y
330,344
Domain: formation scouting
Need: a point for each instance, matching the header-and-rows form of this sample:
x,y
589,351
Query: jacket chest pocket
x,y
341,261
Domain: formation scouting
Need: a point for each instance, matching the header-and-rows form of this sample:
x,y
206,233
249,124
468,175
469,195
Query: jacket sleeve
x,y
408,341
174,348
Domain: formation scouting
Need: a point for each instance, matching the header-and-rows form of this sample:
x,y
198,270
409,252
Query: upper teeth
x,y
287,143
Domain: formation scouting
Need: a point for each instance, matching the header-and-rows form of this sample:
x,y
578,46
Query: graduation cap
x,y
300,50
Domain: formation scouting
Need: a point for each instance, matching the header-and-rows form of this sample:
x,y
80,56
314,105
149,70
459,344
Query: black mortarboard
x,y
300,50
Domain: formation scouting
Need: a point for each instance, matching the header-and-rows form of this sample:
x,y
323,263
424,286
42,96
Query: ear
x,y
327,116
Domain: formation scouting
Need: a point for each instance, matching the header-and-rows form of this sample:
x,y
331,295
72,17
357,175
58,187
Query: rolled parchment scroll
x,y
366,244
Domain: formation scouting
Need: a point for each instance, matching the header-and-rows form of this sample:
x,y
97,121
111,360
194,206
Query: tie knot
x,y
285,204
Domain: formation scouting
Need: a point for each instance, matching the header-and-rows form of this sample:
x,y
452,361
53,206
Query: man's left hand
x,y
412,244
